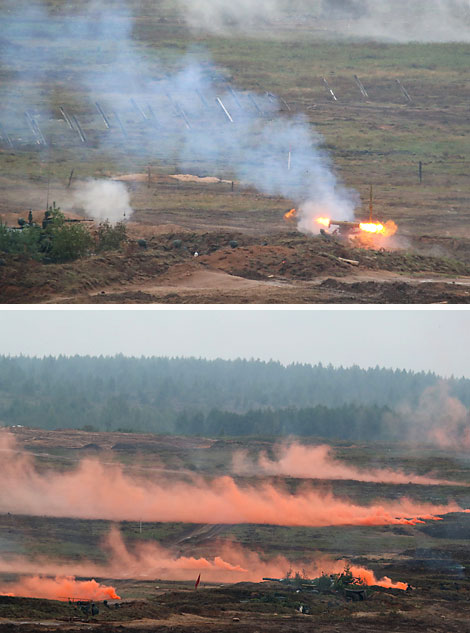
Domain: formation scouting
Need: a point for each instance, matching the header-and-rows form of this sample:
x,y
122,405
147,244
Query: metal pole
x,y
227,113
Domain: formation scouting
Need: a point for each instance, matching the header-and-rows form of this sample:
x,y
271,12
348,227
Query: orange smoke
x,y
290,215
318,462
367,576
98,491
59,588
149,560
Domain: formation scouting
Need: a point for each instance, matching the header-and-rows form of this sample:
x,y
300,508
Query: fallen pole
x,y
182,113
66,118
226,112
79,129
103,115
119,122
138,109
202,98
404,91
153,118
258,109
360,85
4,135
285,103
31,127
36,129
329,89
172,101
235,96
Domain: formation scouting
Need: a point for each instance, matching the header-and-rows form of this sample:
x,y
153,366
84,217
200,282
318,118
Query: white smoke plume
x,y
390,20
176,115
104,200
439,418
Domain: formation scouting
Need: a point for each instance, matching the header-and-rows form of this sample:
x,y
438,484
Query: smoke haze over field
x,y
393,20
318,462
149,560
99,491
438,418
277,152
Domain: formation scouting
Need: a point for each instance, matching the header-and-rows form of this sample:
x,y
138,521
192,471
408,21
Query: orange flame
x,y
290,215
324,221
387,229
371,227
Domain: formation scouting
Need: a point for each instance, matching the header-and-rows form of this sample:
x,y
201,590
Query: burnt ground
x,y
283,267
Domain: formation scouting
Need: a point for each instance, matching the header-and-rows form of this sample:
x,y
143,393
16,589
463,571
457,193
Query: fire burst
x,y
371,227
290,215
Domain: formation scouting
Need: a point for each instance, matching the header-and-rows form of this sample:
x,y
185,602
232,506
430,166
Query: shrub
x,y
25,241
69,241
111,237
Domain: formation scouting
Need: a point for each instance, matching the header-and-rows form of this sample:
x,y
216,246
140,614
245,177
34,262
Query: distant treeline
x,y
194,396
348,422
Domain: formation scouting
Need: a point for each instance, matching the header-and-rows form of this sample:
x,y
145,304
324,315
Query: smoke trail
x,y
318,462
392,20
59,588
149,560
95,491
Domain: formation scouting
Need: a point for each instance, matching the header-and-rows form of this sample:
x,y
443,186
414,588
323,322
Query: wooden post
x,y
232,185
420,172
70,178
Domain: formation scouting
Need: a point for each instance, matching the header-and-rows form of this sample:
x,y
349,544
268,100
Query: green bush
x,y
54,241
68,242
25,241
111,237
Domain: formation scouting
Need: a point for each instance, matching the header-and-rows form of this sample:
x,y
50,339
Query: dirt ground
x,y
183,266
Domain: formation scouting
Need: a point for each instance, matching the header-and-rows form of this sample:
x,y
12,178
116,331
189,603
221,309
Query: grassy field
x,y
378,141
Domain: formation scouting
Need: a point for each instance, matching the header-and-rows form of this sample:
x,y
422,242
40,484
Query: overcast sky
x,y
420,340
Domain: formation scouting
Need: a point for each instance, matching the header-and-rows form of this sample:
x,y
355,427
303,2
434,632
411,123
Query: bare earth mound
x,y
232,267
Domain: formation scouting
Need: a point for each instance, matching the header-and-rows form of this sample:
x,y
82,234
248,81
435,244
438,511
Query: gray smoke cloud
x,y
190,116
391,20
439,418
104,200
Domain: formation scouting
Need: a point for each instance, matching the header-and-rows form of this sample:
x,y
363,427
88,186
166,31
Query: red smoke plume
x,y
97,491
318,462
233,563
59,588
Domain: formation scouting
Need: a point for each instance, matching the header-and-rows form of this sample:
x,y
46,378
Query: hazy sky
x,y
419,339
